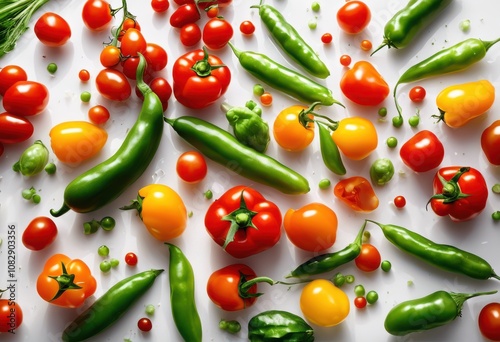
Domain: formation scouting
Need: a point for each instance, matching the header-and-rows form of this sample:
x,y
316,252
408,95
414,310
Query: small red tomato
x,y
14,128
490,142
422,152
353,16
489,321
26,98
191,167
39,233
131,259
9,75
144,324
190,34
129,68
360,302
216,33
161,88
11,316
366,45
98,114
185,14
212,11
369,259
132,43
247,27
96,14
364,85
52,30
345,60
84,75
399,202
160,6
113,85
326,38
156,56
417,94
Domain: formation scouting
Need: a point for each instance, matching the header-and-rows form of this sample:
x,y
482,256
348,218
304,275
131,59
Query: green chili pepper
x,y
285,35
33,160
106,181
381,171
249,127
446,257
455,58
429,312
108,308
276,325
329,261
184,312
412,19
223,148
283,79
330,151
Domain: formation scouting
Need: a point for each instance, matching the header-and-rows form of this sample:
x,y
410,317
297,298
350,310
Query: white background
x,y
44,322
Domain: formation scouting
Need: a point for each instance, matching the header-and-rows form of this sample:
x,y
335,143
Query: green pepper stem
x,y
460,298
63,210
143,87
247,284
381,46
135,204
489,43
234,49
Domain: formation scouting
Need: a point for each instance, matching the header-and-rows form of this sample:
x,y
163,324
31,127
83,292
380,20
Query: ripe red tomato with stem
x,y
26,98
110,56
113,85
353,16
52,29
133,43
422,152
127,24
11,315
212,11
96,14
190,34
156,56
216,33
489,321
369,259
9,75
14,128
191,167
39,233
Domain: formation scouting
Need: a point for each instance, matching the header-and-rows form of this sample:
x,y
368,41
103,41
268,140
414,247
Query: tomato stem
x,y
451,189
65,281
203,68
240,218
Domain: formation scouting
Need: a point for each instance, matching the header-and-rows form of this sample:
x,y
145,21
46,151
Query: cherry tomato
x,y
11,316
356,137
39,233
131,259
160,6
191,167
422,152
185,14
266,99
345,60
489,321
144,324
129,68
353,16
490,142
289,133
417,94
26,98
52,30
366,45
326,38
162,89
216,33
399,201
9,75
156,56
110,56
132,43
360,302
190,34
2,149
113,85
312,227
14,128
96,14
127,24
98,114
369,259
247,27
84,75
212,11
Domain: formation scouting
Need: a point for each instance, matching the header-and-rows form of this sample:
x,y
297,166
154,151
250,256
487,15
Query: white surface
x,y
44,322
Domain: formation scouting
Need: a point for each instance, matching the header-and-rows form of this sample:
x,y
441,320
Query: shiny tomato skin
x,y
216,33
190,34
289,133
156,57
489,321
353,16
113,85
40,233
14,128
96,15
9,75
422,152
490,142
369,259
364,85
8,308
191,167
356,137
26,98
133,43
52,29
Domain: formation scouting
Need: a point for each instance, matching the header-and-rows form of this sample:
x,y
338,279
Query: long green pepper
x,y
290,41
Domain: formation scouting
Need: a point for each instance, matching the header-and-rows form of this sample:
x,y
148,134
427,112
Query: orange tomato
x,y
289,132
357,192
356,137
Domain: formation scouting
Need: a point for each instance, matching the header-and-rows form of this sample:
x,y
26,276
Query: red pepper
x,y
460,192
199,79
243,222
357,193
363,84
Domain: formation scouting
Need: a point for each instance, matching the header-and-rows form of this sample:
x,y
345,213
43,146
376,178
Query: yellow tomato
x,y
458,104
162,211
356,137
324,304
289,132
76,141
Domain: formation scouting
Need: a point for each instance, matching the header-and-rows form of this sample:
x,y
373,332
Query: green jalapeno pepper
x,y
223,148
429,312
455,58
283,79
277,325
329,261
108,308
330,151
106,181
184,312
33,159
285,35
445,257
412,19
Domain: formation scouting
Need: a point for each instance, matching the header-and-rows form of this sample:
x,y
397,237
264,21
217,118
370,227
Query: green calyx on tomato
x,y
66,282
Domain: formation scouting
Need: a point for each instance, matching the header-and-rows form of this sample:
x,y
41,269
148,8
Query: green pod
x,y
223,148
108,308
276,325
182,301
329,261
290,41
330,151
410,21
33,160
283,79
106,181
445,257
429,312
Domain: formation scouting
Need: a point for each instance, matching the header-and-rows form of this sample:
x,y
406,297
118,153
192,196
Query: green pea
x,y
397,121
36,198
366,236
108,223
150,309
85,96
382,111
105,266
52,68
464,25
312,24
392,142
496,215
349,279
190,214
359,290
50,168
114,262
91,227
324,184
414,120
496,188
315,6
385,265
28,193
232,326
339,280
103,251
371,297
208,194
258,90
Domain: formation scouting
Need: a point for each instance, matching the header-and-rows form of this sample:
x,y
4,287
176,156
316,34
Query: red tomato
x,y
11,316
9,75
128,23
345,60
369,259
113,85
39,233
399,202
2,149
490,142
247,27
129,68
220,3
190,34
185,14
131,259
52,30
84,75
156,56
144,324
356,192
354,16
162,89
216,33
417,94
26,98
110,56
363,84
212,11
489,321
360,302
98,115
160,6
14,129
326,38
191,167
96,14
132,43
422,152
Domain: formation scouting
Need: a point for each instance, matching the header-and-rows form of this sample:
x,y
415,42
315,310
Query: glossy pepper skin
x,y
243,222
277,325
460,103
330,152
459,192
363,84
65,282
106,181
110,307
290,41
429,312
